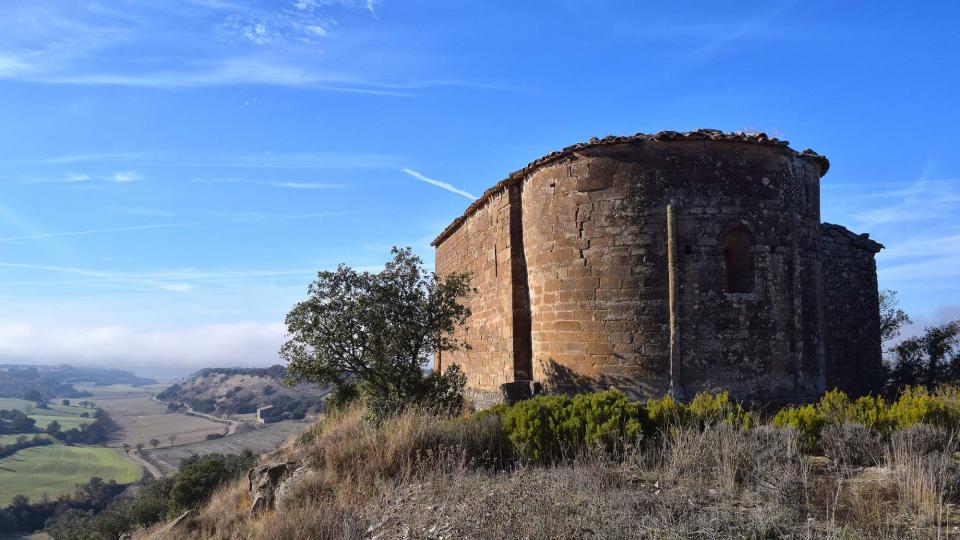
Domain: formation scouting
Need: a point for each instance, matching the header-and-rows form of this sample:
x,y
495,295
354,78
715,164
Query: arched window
x,y
738,260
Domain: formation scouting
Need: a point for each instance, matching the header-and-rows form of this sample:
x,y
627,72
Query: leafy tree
x,y
114,520
152,501
930,359
892,318
139,446
171,438
198,477
66,402
372,333
32,395
73,524
154,443
53,428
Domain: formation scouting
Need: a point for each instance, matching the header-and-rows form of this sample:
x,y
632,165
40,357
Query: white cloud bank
x,y
144,351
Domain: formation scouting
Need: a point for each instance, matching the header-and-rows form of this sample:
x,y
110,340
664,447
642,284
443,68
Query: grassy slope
x,y
56,469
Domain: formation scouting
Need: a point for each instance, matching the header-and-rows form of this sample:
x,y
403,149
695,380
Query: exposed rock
x,y
289,485
273,483
263,482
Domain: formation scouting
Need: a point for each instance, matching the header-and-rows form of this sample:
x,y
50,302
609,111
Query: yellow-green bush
x,y
664,413
705,408
805,419
917,405
549,428
914,406
708,407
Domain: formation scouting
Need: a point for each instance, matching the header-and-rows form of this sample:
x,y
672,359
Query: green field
x,y
67,415
56,469
19,404
10,439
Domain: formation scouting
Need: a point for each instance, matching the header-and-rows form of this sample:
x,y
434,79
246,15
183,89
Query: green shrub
x,y
806,419
711,408
917,405
664,413
940,408
604,420
547,429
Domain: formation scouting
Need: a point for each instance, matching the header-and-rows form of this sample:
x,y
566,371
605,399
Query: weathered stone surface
x,y
289,485
263,481
572,282
850,292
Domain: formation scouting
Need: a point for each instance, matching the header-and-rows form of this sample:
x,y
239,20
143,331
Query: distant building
x,y
268,414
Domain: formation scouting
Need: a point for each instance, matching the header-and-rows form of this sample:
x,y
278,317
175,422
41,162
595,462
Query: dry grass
x,y
418,476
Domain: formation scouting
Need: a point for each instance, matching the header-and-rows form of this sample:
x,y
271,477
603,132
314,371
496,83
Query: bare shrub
x,y
356,453
922,438
926,479
729,459
851,444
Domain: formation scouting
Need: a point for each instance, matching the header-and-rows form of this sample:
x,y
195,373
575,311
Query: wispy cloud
x,y
245,217
292,43
124,176
86,232
921,201
149,282
299,160
75,158
278,184
140,211
440,184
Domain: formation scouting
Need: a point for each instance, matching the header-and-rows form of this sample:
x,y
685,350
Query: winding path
x,y
135,455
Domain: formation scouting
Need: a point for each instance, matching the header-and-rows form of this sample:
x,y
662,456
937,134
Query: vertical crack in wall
x,y
522,339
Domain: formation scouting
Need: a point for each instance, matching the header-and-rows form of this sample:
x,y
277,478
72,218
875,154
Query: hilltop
x,y
232,391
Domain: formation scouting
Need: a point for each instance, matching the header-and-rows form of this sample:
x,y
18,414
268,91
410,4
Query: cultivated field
x,y
56,469
141,419
258,440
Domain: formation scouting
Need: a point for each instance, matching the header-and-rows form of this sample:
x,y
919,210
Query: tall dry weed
x,y
927,480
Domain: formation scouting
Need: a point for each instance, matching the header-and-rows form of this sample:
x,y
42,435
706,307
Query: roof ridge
x,y
702,134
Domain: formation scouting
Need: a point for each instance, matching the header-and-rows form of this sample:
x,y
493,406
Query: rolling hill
x,y
233,391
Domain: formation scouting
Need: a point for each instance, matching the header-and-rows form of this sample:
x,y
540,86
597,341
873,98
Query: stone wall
x,y
852,309
596,230
483,247
575,284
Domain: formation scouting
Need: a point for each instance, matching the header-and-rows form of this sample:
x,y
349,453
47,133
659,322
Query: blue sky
x,y
172,173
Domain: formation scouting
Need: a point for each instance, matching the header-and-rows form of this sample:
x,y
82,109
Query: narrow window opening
x,y
738,260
